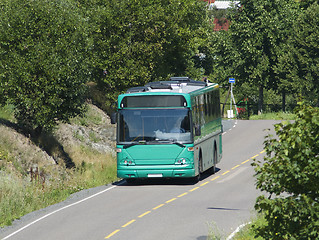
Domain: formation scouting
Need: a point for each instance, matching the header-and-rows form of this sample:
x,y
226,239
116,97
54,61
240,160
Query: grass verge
x,y
273,116
247,232
19,195
31,179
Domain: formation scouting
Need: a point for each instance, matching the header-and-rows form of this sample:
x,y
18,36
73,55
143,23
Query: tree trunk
x,y
37,132
283,101
260,100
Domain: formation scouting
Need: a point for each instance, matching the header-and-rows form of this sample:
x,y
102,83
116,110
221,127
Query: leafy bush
x,y
43,47
290,173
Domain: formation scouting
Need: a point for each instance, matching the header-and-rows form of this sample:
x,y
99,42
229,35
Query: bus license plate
x,y
155,175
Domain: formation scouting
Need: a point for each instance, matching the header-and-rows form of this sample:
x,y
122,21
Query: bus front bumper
x,y
155,173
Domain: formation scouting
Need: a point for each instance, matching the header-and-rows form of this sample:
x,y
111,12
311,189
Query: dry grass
x,y
52,181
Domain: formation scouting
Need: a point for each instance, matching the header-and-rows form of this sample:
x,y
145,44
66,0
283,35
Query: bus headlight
x,y
181,161
127,162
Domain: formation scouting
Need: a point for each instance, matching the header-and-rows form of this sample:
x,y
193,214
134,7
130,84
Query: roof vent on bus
x,y
180,79
159,85
136,89
188,81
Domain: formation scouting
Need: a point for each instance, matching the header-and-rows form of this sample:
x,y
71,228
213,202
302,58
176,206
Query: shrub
x,y
290,175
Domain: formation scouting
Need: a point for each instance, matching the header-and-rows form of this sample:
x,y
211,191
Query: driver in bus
x,y
178,128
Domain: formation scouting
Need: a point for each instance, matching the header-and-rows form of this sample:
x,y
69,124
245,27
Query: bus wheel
x,y
213,170
197,178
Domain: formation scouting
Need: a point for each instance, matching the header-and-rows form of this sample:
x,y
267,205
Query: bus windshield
x,y
154,126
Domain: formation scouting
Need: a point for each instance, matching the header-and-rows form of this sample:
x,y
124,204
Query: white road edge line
x,y
58,210
231,128
237,230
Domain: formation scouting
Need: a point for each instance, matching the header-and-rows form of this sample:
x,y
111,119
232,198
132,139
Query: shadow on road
x,y
223,209
202,238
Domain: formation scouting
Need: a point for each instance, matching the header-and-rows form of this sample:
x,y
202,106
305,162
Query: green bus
x,y
169,129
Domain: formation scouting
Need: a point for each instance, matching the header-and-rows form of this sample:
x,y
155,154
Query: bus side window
x,y
198,131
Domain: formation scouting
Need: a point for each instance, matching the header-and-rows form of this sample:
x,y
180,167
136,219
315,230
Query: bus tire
x,y
215,161
200,162
212,170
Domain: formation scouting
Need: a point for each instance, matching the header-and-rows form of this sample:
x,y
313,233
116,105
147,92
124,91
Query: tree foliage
x,y
299,62
258,32
270,45
42,60
290,173
45,59
136,42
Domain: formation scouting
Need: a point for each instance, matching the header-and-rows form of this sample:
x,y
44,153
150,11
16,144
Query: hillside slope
x,y
35,173
93,132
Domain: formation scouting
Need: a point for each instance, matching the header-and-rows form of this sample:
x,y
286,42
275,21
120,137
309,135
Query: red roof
x,y
221,24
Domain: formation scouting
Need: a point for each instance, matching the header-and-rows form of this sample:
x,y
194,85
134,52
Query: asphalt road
x,y
161,209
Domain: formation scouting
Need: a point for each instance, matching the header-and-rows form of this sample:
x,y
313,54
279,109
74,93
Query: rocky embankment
x,y
93,132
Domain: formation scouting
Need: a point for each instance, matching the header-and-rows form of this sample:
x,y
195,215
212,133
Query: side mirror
x,y
198,130
113,118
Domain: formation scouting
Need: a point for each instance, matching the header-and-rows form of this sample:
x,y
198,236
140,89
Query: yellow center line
x,y
235,167
203,184
262,151
225,172
161,205
171,200
194,189
245,161
142,215
130,222
215,178
183,194
113,233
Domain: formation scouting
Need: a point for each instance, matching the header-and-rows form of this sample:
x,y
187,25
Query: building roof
x,y
223,4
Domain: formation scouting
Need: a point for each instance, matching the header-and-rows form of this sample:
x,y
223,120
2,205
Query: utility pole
x,y
230,113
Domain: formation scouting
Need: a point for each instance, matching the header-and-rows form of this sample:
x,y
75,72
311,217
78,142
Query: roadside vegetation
x,y
30,179
289,177
274,116
247,233
288,209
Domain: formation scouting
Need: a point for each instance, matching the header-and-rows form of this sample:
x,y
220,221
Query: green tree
x,y
43,69
136,42
223,55
257,33
299,62
290,175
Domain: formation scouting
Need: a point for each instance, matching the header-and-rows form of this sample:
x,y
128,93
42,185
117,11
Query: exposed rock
x,y
101,137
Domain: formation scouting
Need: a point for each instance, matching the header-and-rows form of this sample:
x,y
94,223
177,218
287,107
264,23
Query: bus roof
x,y
176,86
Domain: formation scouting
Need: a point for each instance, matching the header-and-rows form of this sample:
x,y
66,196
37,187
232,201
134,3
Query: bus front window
x,y
151,125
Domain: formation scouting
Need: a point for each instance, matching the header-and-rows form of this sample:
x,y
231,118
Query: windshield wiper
x,y
142,142
178,143
171,141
